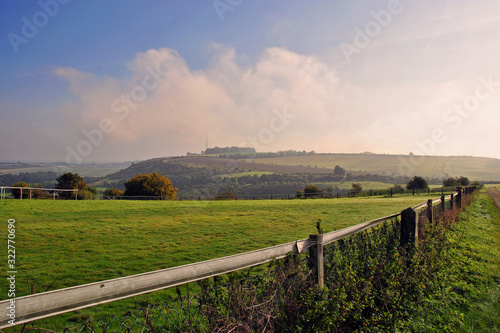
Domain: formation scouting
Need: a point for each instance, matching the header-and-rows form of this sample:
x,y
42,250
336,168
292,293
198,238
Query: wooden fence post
x,y
452,198
409,227
316,263
443,207
430,213
459,199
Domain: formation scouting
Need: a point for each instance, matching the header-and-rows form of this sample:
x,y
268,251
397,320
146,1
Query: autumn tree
x,y
113,192
150,185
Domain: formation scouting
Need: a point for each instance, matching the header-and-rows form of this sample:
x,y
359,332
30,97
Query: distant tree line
x,y
43,178
225,150
192,181
247,155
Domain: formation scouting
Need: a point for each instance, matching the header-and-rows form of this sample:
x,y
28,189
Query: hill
x,y
477,168
280,173
270,173
89,170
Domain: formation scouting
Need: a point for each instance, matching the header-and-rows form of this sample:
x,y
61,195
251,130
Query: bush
x,y
356,188
150,185
312,191
39,194
417,183
228,194
397,189
88,194
113,192
16,193
450,182
463,181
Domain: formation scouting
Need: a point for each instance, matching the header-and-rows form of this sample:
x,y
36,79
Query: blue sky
x,y
331,76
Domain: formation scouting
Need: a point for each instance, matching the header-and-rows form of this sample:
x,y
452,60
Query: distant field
x,y
250,173
261,164
66,243
97,170
476,168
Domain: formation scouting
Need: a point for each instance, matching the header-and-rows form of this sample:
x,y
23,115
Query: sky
x,y
102,81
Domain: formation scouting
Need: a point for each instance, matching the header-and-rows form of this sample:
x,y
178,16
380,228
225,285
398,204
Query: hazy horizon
x,y
106,82
103,162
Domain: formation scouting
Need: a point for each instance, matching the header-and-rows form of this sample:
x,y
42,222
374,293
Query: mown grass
x,y
478,280
468,298
66,243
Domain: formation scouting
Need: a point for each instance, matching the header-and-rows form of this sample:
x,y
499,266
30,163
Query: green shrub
x,y
16,193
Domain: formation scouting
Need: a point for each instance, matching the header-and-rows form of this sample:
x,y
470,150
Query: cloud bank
x,y
284,100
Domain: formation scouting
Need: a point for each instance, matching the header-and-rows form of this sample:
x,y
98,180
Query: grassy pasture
x,y
96,170
476,168
66,243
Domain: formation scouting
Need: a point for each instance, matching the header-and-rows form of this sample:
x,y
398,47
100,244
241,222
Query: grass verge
x,y
468,297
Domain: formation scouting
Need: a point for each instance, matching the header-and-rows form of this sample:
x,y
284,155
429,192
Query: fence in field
x,y
51,303
30,190
340,193
26,192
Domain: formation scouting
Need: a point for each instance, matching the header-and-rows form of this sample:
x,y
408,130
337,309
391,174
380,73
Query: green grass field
x,y
475,168
66,243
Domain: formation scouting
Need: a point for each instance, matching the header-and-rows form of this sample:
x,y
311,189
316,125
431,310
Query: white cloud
x,y
231,103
